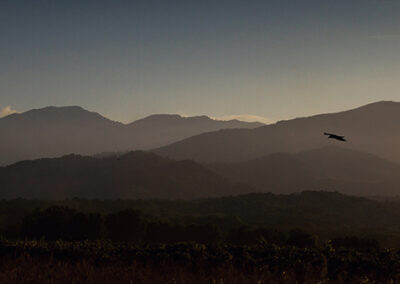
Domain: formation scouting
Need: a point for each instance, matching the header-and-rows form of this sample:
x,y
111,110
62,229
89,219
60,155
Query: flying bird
x,y
334,136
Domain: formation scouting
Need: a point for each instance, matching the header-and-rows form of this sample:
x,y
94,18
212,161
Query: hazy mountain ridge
x,y
171,128
329,168
374,128
133,175
146,175
56,131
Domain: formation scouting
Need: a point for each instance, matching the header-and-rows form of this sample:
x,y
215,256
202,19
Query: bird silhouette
x,y
334,136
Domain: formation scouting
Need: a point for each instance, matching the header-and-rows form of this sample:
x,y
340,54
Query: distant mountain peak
x,y
383,103
49,110
65,113
160,117
57,109
166,119
380,105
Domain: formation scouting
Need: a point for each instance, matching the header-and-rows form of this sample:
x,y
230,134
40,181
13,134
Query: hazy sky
x,y
127,59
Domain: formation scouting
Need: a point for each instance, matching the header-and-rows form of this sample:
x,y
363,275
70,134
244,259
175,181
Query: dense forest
x,y
323,215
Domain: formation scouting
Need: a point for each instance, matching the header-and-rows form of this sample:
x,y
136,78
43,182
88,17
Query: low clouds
x,y
246,117
7,110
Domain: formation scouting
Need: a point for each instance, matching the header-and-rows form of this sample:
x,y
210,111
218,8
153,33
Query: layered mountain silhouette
x,y
146,175
132,175
330,168
57,131
374,128
289,156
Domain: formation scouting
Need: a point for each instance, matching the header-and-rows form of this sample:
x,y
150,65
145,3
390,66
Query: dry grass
x,y
25,269
106,262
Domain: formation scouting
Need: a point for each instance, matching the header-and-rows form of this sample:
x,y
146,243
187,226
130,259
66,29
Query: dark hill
x,y
133,175
374,128
329,168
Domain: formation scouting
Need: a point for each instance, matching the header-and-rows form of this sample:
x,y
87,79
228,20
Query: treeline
x,y
323,215
132,226
62,223
329,209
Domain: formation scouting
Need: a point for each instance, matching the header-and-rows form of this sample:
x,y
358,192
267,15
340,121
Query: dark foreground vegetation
x,y
312,237
189,262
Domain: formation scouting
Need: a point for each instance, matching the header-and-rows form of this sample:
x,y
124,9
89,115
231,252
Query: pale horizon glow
x,y
7,110
245,117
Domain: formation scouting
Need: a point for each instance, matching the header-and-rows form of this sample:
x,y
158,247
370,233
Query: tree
x,y
126,225
299,238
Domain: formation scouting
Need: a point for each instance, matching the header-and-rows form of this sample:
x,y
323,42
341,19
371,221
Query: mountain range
x,y
373,128
285,157
57,131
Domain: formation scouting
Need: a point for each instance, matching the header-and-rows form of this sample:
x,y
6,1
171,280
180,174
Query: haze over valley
x,y
212,158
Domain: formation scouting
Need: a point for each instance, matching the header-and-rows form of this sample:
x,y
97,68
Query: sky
x,y
257,60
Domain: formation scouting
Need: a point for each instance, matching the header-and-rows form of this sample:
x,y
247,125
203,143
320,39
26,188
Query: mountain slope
x,y
329,168
133,175
56,131
163,129
374,128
